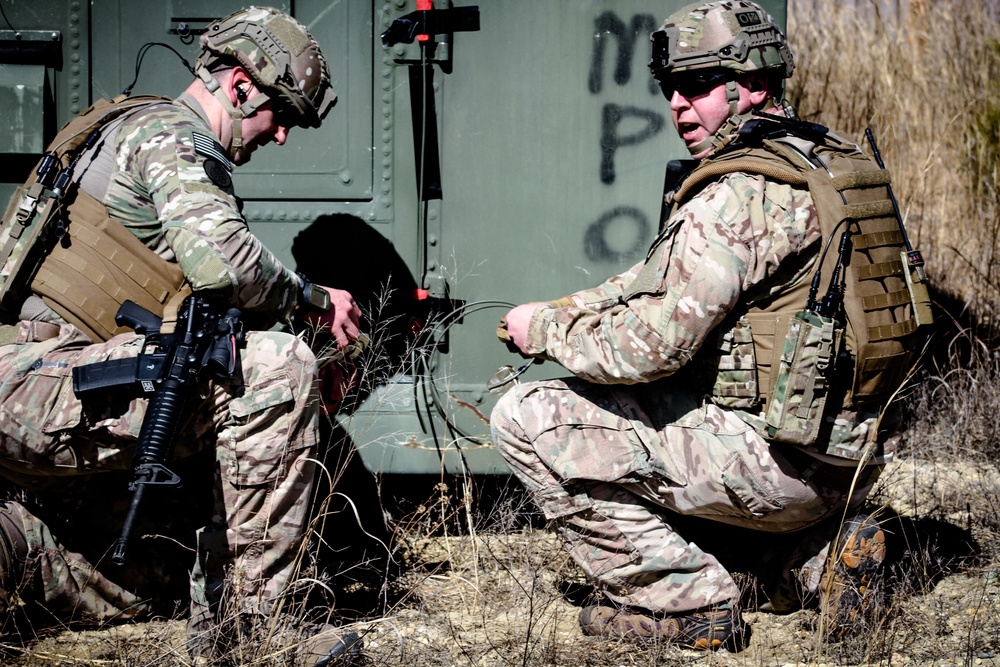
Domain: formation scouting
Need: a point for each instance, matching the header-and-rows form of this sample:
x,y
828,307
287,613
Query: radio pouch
x,y
795,413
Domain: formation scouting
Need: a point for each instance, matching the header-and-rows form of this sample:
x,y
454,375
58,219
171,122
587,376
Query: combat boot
x,y
851,588
326,645
249,640
13,555
710,629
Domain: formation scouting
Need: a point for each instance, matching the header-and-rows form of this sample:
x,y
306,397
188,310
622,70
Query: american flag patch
x,y
210,148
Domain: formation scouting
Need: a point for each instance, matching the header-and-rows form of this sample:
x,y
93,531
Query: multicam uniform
x,y
616,454
170,186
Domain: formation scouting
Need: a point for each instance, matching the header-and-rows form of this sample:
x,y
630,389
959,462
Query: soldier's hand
x,y
342,320
517,320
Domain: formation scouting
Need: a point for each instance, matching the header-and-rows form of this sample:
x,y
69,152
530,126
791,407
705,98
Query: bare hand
x,y
517,323
343,320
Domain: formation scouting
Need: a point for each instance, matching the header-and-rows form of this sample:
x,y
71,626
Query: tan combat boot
x,y
850,591
709,629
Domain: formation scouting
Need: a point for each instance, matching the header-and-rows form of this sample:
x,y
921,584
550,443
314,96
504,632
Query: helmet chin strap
x,y
724,134
236,113
733,98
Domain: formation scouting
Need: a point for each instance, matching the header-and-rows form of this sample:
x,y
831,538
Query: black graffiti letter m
x,y
607,25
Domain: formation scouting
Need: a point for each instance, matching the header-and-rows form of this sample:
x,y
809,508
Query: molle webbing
x,y
877,301
102,266
850,193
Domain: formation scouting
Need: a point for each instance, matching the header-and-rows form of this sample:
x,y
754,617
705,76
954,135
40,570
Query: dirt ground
x,y
507,598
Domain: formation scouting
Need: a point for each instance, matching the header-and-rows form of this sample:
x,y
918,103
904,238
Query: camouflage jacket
x,y
650,321
736,238
171,186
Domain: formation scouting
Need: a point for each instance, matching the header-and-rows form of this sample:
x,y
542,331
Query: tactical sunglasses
x,y
691,85
285,114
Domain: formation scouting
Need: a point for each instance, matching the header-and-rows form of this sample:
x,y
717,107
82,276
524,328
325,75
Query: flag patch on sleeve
x,y
208,147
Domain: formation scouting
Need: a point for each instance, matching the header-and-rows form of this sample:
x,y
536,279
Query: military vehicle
x,y
479,156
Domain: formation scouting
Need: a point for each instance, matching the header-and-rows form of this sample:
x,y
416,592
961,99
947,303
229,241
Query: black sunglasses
x,y
285,114
693,85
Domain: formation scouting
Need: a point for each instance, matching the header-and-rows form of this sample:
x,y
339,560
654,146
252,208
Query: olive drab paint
x,y
551,140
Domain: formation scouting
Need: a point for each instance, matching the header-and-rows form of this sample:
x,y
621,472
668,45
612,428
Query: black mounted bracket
x,y
431,22
31,47
407,29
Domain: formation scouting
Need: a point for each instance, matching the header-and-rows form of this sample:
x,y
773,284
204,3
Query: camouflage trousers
x,y
261,439
651,489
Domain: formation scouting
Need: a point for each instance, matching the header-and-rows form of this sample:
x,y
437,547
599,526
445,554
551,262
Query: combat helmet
x,y
733,35
280,55
718,41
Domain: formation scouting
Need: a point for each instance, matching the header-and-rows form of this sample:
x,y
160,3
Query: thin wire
x,y
142,54
7,20
437,398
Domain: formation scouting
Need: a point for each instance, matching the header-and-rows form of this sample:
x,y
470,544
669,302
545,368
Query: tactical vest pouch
x,y
103,265
736,370
795,413
25,238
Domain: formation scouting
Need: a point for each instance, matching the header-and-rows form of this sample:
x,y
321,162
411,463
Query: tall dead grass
x,y
924,76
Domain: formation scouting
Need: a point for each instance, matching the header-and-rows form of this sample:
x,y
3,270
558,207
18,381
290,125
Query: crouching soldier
x,y
140,190
737,378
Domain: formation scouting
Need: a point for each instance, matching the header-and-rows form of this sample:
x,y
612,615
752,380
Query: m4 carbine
x,y
204,342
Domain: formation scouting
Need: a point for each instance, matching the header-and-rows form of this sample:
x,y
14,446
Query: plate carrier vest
x,y
786,353
60,244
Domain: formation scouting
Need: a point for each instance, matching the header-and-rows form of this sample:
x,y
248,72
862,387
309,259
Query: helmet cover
x,y
279,54
735,35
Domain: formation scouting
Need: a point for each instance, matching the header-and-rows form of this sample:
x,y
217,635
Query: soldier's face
x,y
700,107
260,129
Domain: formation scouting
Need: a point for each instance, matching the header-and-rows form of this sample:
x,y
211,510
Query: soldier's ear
x,y
242,84
758,88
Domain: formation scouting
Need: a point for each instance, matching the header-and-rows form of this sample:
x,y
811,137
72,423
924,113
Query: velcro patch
x,y
218,173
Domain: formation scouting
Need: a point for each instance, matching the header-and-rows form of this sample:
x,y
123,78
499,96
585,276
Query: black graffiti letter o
x,y
595,242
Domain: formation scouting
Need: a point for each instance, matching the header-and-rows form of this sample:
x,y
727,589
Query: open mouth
x,y
688,131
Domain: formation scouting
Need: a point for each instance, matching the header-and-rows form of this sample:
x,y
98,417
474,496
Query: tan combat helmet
x,y
720,40
279,54
733,35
